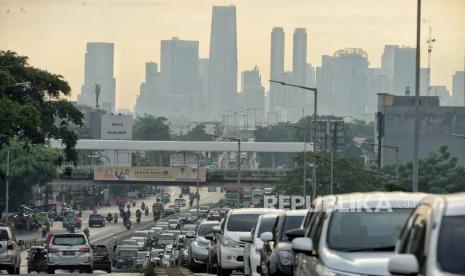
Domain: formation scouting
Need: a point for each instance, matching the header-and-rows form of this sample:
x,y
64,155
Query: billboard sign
x,y
116,127
168,174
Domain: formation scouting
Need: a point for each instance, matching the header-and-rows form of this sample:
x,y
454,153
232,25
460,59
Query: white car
x,y
353,234
70,252
230,250
433,240
10,251
254,244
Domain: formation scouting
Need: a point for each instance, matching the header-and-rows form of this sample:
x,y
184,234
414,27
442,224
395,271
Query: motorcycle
x,y
115,218
109,218
146,211
71,228
138,219
127,224
44,231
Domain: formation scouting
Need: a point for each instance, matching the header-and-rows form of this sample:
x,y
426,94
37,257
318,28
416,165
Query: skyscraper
x,y
299,55
148,101
276,64
458,88
253,92
99,71
222,79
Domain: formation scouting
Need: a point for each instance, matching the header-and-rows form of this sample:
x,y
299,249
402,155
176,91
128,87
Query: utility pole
x,y
416,135
430,42
7,198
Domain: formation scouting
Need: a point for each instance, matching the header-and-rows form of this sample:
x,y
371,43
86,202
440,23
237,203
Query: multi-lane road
x,y
103,234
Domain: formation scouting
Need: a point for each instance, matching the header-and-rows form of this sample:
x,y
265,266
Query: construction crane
x,y
430,42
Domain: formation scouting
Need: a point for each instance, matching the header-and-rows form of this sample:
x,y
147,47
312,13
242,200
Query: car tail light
x,y
53,250
84,249
10,245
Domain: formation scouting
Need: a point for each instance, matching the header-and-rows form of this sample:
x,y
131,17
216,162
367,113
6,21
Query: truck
x,y
234,196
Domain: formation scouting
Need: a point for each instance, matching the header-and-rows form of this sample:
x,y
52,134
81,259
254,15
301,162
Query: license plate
x,y
68,253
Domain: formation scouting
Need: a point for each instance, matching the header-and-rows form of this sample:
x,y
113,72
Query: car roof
x,y
296,213
209,222
454,204
371,199
251,211
128,248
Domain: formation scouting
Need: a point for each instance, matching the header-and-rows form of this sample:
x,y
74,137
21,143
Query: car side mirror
x,y
302,245
295,233
246,238
209,237
216,229
266,236
403,264
20,242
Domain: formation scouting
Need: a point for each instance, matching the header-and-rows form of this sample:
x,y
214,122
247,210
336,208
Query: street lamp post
x,y
315,94
238,140
304,178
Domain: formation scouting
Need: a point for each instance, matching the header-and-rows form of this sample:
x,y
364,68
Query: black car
x,y
96,220
185,190
126,257
102,258
277,259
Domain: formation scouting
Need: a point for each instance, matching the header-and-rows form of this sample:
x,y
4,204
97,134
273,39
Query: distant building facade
x,y
437,125
99,63
252,97
458,88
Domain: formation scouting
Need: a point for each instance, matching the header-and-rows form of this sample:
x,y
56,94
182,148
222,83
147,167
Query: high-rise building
x,y
253,92
442,93
458,89
349,74
179,65
222,78
276,65
203,75
98,75
299,55
148,101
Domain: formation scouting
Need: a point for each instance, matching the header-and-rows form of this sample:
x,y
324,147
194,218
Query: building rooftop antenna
x,y
430,42
97,94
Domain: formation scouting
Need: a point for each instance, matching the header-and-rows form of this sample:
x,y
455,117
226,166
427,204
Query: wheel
x,y
50,271
222,272
264,269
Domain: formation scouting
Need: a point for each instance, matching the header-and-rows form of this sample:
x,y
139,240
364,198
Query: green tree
x,y
32,105
196,134
29,166
151,129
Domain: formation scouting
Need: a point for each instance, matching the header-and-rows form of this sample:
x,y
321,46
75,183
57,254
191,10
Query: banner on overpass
x,y
168,174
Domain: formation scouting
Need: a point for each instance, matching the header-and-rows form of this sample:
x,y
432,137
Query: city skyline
x,y
325,36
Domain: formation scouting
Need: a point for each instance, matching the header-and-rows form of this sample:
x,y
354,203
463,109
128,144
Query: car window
x,y
3,235
415,243
205,229
291,222
266,225
99,250
69,240
242,222
451,250
127,253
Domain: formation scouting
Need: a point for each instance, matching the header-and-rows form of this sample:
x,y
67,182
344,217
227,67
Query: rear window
x,y
188,227
95,217
3,235
100,250
242,222
127,253
69,240
451,252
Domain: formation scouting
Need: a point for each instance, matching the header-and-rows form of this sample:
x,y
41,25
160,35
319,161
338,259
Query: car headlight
x,y
229,243
331,272
285,257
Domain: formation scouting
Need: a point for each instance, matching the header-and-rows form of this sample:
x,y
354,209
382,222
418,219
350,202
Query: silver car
x,y
70,252
10,258
198,248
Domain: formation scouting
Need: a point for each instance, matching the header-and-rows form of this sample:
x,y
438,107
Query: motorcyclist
x,y
109,217
94,211
45,229
87,232
138,215
128,224
142,206
115,218
78,222
146,211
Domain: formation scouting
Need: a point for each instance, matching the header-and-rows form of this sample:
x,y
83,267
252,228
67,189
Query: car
x,y
189,229
194,215
254,244
102,258
198,248
276,253
174,224
214,215
164,239
141,243
180,202
169,211
96,220
156,256
229,249
224,212
10,251
163,225
126,257
176,208
204,209
211,189
352,233
185,217
142,259
128,242
432,241
185,189
146,234
70,251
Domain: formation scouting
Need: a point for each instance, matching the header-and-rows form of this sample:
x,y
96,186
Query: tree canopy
x,y
151,128
33,107
196,134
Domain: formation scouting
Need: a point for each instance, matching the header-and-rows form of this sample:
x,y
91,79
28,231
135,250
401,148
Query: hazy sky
x,y
54,33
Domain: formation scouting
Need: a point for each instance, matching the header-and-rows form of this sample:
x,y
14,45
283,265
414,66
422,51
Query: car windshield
x,y
128,253
266,224
141,255
366,231
69,240
242,222
166,237
205,229
451,252
188,227
292,222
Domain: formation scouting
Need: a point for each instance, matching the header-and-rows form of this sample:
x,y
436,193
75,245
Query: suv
x,y
198,248
126,257
98,220
352,233
276,259
70,252
432,240
10,251
229,249
102,258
